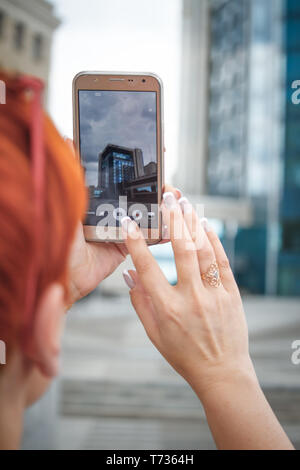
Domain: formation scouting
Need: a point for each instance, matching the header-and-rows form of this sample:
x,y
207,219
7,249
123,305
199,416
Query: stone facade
x,y
26,30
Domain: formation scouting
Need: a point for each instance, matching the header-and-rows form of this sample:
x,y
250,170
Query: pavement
x,y
116,391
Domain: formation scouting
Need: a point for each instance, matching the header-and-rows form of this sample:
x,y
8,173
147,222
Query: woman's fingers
x,y
168,188
226,273
182,243
205,252
150,274
177,193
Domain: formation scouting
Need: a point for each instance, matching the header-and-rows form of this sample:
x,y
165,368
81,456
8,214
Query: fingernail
x,y
205,224
128,225
165,233
128,279
169,200
185,205
179,194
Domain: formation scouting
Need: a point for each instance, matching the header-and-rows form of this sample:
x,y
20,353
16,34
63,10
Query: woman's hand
x,y
199,327
90,263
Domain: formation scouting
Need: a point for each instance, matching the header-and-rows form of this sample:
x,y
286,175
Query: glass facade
x,y
228,98
233,170
116,167
289,254
254,137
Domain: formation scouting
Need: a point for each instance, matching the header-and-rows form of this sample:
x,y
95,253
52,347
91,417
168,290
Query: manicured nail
x,y
128,225
128,279
169,200
178,193
165,233
205,224
185,205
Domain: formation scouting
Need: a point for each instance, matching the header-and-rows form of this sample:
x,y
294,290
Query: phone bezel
x,y
123,81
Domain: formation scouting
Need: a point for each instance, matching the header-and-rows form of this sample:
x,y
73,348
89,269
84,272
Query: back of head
x,y
64,206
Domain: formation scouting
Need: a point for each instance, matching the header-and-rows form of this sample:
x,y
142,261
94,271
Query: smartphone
x,y
118,133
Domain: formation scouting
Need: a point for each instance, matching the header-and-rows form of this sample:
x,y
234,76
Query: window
x,y
19,35
2,20
37,46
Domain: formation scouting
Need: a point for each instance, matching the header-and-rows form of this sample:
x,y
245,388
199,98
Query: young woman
x,y
42,201
46,265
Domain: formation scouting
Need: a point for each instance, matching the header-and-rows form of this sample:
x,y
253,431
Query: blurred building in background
x,y
289,216
26,29
239,59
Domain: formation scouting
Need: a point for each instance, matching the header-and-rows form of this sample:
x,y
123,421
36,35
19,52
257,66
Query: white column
x,y
192,145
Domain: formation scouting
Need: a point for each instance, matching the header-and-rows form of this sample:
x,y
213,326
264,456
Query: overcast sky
x,y
118,35
121,118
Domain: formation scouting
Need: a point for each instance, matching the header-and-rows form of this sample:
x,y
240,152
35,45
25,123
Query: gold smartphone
x,y
118,133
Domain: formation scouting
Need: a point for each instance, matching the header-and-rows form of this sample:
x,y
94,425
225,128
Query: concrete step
x,y
157,400
120,399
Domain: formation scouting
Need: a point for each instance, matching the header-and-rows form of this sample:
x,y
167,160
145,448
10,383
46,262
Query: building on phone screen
x,y
121,171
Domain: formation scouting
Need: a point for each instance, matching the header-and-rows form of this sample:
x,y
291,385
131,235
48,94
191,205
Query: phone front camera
x,y
143,80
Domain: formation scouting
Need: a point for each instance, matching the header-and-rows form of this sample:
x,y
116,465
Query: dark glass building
x,y
118,165
289,253
228,98
254,129
121,170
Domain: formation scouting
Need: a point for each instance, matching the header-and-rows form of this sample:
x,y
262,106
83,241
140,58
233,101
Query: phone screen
x,y
118,147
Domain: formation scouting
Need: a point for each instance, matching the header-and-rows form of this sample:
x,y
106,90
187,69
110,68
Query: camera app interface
x,y
118,146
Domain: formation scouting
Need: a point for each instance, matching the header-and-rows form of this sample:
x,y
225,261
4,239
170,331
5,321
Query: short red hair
x,y
65,202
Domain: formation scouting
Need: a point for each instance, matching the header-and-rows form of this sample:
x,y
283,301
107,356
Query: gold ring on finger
x,y
212,275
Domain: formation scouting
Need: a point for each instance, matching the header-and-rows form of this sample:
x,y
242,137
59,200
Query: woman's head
x,y
64,204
